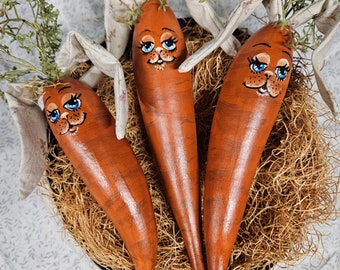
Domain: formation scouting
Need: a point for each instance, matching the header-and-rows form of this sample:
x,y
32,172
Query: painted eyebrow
x,y
63,88
47,99
146,30
287,53
165,28
262,43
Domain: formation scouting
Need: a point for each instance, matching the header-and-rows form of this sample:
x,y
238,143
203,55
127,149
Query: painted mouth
x,y
160,64
72,129
261,90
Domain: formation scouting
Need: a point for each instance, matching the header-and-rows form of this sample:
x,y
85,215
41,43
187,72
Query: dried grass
x,y
293,189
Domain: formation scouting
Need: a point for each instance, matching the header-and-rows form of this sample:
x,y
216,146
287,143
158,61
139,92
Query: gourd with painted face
x,y
249,102
167,106
85,130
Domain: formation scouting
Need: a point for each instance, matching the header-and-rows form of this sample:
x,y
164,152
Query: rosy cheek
x,y
76,118
167,56
62,126
153,57
255,80
274,87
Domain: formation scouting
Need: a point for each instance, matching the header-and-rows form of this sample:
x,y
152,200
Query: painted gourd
x,y
85,130
167,106
249,102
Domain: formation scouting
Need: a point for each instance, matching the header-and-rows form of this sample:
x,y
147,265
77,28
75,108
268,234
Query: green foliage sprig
x,y
310,37
41,33
131,14
163,5
135,10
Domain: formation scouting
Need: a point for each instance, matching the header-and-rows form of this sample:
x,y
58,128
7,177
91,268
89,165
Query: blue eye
x,y
281,72
256,66
147,46
169,44
73,103
54,115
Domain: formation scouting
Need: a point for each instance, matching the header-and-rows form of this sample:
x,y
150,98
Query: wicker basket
x,y
293,187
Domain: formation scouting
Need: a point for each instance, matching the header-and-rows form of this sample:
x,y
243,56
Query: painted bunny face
x,y
65,113
67,106
268,56
268,71
158,40
159,48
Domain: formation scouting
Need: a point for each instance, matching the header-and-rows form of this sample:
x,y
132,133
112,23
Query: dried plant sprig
x,y
310,37
163,5
211,1
131,14
135,10
39,34
292,6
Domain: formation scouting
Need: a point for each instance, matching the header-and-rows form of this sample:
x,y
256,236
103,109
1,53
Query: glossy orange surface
x,y
167,105
85,130
249,102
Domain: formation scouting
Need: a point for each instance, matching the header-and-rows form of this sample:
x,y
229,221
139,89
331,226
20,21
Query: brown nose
x,y
268,73
64,115
159,49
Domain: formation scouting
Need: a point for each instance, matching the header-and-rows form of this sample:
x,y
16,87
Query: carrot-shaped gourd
x,y
167,106
85,130
249,102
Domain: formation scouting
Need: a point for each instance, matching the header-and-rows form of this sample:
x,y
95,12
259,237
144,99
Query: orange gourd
x,y
85,130
167,106
249,102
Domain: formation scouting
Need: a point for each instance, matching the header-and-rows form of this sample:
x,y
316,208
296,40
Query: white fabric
x,y
32,127
31,233
117,32
274,9
79,48
203,13
242,11
318,62
326,15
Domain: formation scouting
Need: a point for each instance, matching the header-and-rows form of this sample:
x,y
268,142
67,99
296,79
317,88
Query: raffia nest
x,y
293,188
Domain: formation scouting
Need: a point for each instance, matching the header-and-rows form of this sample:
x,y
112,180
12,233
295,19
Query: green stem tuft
x,y
39,34
309,37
